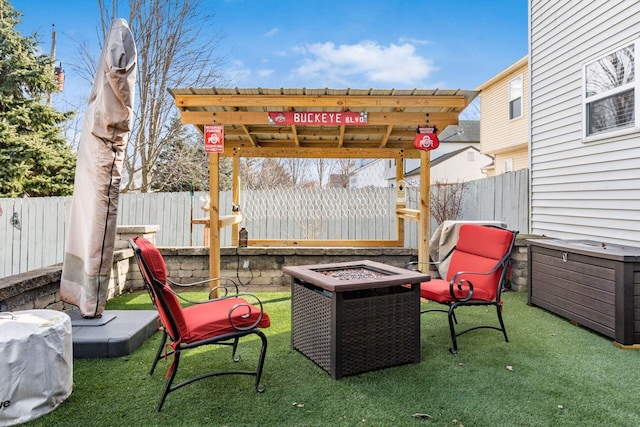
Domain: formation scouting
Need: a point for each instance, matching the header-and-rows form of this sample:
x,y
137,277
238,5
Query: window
x,y
515,98
508,165
609,92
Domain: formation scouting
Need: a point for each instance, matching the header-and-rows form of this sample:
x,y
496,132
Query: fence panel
x,y
504,197
34,230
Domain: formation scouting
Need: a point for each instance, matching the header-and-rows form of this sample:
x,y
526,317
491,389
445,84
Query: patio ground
x,y
552,372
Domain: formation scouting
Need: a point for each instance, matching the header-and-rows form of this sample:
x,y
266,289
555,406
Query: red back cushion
x,y
480,248
154,260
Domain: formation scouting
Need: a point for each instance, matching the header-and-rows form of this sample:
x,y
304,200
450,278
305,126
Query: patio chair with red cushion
x,y
220,321
476,275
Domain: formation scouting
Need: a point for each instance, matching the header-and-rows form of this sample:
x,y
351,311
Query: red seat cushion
x,y
200,321
478,249
211,318
438,290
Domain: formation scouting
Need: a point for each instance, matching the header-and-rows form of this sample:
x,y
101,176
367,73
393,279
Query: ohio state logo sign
x,y
426,138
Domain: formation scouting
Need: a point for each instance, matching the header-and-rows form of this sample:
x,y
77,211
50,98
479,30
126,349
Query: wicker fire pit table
x,y
355,317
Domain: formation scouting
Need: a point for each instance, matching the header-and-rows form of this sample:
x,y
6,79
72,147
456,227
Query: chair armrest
x,y
246,308
228,290
410,264
203,282
460,283
231,284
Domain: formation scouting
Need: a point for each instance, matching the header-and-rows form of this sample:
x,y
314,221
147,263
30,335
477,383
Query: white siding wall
x,y
461,168
370,175
458,168
583,190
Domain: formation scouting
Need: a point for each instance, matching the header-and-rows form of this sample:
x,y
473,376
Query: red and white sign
x,y
213,138
426,138
323,118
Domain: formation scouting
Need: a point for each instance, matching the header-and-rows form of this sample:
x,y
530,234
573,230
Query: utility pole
x,y
53,59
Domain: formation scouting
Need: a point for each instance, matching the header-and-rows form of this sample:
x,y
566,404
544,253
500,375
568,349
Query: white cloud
x,y
413,41
237,73
365,63
265,72
272,32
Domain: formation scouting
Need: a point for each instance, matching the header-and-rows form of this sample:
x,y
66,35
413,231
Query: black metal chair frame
x,y
154,287
466,301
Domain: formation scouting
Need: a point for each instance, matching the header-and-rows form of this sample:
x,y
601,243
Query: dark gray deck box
x,y
592,283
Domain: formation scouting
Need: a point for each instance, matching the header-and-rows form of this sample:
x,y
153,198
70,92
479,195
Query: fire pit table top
x,y
355,275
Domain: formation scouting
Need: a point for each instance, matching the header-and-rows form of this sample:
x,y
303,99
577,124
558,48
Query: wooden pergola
x,y
250,130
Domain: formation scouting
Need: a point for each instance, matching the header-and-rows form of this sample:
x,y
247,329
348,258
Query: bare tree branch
x,y
446,200
173,51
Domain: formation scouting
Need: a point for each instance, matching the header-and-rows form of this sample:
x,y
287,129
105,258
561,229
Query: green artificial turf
x,y
551,373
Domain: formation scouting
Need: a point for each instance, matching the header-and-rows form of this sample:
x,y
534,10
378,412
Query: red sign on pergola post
x,y
213,138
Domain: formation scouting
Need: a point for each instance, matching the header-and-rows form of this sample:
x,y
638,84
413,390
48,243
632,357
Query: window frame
x,y
512,99
508,165
633,87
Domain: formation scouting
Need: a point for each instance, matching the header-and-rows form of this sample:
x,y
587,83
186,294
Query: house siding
x,y
579,190
519,159
498,133
372,174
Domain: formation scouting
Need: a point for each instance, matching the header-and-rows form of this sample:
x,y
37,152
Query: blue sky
x,y
380,44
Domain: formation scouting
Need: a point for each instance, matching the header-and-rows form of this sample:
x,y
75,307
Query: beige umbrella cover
x,y
91,232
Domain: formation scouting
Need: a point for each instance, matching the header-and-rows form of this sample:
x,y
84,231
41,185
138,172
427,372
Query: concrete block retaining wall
x,y
264,265
41,288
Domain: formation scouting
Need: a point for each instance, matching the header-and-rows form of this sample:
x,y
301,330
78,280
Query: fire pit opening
x,y
353,273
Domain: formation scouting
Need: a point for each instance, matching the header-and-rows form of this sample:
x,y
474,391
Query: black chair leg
x,y
159,352
452,318
263,353
504,330
167,388
455,320
234,349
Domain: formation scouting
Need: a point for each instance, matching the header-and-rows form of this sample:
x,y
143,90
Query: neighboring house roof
x,y
491,165
501,75
465,131
443,159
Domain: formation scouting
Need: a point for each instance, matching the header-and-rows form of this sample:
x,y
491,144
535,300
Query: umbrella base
x,y
117,333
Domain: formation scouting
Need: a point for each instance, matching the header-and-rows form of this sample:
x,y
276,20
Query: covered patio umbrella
x,y
105,131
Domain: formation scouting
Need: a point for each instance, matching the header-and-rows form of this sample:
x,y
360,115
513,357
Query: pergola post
x,y
235,196
400,219
424,229
214,219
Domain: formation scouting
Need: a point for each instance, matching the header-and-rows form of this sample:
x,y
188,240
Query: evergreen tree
x,y
34,156
183,163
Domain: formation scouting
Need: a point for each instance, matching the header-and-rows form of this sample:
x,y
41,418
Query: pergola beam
x,y
319,101
247,133
262,118
327,153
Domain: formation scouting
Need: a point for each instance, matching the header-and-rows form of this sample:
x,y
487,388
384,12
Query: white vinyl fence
x,y
33,230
